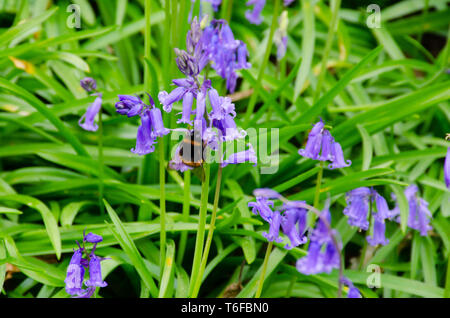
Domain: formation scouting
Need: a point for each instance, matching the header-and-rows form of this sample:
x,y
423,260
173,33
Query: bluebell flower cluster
x,y
291,218
360,202
214,44
152,125
87,121
78,266
322,146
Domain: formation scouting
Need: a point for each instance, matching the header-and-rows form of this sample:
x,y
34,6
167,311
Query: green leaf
x,y
130,249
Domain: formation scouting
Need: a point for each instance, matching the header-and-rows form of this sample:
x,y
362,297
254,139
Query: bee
x,y
191,152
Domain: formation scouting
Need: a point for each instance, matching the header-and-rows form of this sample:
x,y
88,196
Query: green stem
x,y
201,230
186,208
253,99
331,30
100,162
318,185
291,286
210,234
162,206
264,269
227,7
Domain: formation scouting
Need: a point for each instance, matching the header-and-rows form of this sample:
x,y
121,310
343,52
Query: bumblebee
x,y
191,152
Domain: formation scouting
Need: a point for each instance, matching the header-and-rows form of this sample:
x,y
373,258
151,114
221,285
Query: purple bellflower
x,y
241,157
89,84
322,146
419,214
78,264
293,224
75,274
152,125
319,260
87,121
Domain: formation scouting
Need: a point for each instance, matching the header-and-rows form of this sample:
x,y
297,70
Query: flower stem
x,y
210,234
162,207
264,269
318,185
100,162
186,208
201,230
253,99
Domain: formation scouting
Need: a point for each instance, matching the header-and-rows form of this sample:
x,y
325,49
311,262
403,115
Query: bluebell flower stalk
x,y
87,121
78,266
322,146
360,202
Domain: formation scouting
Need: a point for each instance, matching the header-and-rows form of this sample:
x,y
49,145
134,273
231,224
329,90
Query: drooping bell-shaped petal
x,y
314,142
322,232
383,211
263,207
157,123
129,105
168,99
145,138
89,84
274,230
312,263
87,121
447,168
92,238
95,273
338,157
87,293
75,274
227,127
248,155
293,224
378,237
188,99
201,106
357,208
254,15
327,142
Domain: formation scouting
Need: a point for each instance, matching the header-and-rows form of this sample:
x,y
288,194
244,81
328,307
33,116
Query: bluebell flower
x,y
419,214
87,121
78,264
88,84
75,274
248,155
353,292
145,139
378,236
293,223
263,207
215,3
129,105
447,168
322,146
254,16
92,238
357,208
275,222
95,272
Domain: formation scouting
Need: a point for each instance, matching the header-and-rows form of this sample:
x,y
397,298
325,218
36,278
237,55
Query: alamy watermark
x,y
74,19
